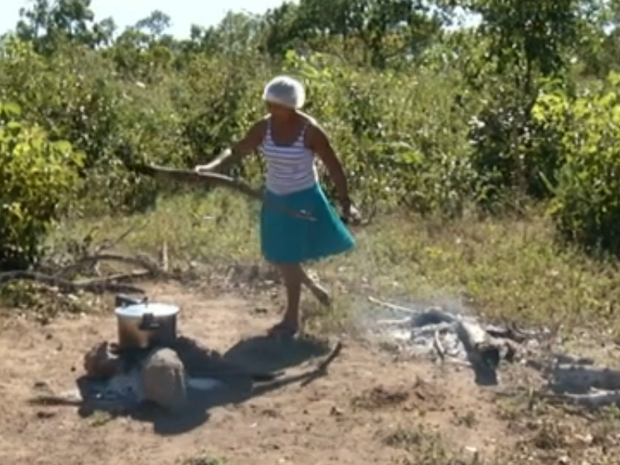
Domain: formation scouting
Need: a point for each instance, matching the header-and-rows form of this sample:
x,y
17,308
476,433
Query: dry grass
x,y
508,269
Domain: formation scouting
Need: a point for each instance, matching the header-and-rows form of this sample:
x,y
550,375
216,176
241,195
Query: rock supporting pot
x,y
163,380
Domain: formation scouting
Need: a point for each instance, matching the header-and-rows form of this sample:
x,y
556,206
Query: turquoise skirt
x,y
289,239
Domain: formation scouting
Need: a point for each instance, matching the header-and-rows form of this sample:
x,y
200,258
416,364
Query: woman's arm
x,y
319,143
245,146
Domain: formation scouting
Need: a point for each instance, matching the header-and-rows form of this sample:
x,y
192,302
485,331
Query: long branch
x,y
212,179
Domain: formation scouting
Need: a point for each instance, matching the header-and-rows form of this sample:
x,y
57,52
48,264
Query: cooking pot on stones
x,y
143,324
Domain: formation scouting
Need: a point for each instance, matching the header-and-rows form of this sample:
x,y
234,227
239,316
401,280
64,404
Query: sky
x,y
183,13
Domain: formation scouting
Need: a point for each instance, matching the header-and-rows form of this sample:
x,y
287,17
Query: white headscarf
x,y
285,91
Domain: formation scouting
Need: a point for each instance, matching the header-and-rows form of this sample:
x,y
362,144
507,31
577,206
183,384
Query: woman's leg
x,y
293,277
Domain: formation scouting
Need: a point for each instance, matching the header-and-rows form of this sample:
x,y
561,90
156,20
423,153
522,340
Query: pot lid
x,y
157,310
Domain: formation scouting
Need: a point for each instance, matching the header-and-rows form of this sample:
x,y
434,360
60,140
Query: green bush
x,y
38,179
513,151
586,205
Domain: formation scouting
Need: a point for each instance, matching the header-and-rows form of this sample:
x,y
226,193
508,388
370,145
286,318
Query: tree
x,y
382,29
46,24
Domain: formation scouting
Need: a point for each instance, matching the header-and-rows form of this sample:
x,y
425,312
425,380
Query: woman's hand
x,y
200,169
345,205
350,214
222,159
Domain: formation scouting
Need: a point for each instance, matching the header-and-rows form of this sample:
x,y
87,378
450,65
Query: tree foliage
x,y
38,178
427,116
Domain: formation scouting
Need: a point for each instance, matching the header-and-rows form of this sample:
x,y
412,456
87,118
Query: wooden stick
x,y
391,306
212,179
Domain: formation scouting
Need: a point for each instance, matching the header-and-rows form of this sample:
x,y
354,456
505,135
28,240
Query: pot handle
x,y
123,300
148,323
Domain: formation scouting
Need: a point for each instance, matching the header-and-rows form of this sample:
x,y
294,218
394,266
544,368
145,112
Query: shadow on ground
x,y
258,355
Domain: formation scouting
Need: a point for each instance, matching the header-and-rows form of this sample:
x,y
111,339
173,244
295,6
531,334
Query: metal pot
x,y
142,325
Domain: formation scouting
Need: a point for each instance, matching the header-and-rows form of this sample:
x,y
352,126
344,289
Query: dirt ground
x,y
345,417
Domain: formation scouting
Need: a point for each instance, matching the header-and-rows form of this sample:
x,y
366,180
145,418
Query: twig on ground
x,y
406,322
107,245
321,368
255,376
399,308
438,346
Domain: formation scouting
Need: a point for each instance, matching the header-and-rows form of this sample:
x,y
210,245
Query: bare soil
x,y
345,417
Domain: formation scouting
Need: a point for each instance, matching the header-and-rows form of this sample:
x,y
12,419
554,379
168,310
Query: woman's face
x,y
279,111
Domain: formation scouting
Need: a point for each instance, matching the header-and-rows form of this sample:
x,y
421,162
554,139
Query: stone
x,y
198,359
163,380
101,363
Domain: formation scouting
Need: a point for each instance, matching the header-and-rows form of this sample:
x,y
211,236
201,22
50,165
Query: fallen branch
x,y
133,275
89,261
482,350
142,262
96,286
595,399
321,368
580,379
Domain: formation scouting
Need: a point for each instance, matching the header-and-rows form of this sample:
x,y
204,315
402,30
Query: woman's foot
x,y
318,291
321,295
284,329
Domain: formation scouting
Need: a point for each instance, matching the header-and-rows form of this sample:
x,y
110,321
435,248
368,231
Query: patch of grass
x,y
467,419
410,438
550,433
204,460
509,269
41,301
424,447
100,418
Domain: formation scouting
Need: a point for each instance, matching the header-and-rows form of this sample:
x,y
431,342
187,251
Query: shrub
x,y
38,178
586,206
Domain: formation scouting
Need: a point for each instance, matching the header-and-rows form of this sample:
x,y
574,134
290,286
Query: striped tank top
x,y
290,168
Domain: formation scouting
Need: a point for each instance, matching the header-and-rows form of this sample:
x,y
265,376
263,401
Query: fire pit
x,y
150,361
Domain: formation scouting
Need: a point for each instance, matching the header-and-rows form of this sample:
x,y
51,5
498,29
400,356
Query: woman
x,y
290,140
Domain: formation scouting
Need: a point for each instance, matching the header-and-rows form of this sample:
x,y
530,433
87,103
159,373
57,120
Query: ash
x,y
451,334
444,333
121,392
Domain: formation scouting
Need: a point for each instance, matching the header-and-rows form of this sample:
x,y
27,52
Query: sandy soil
x,y
341,418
